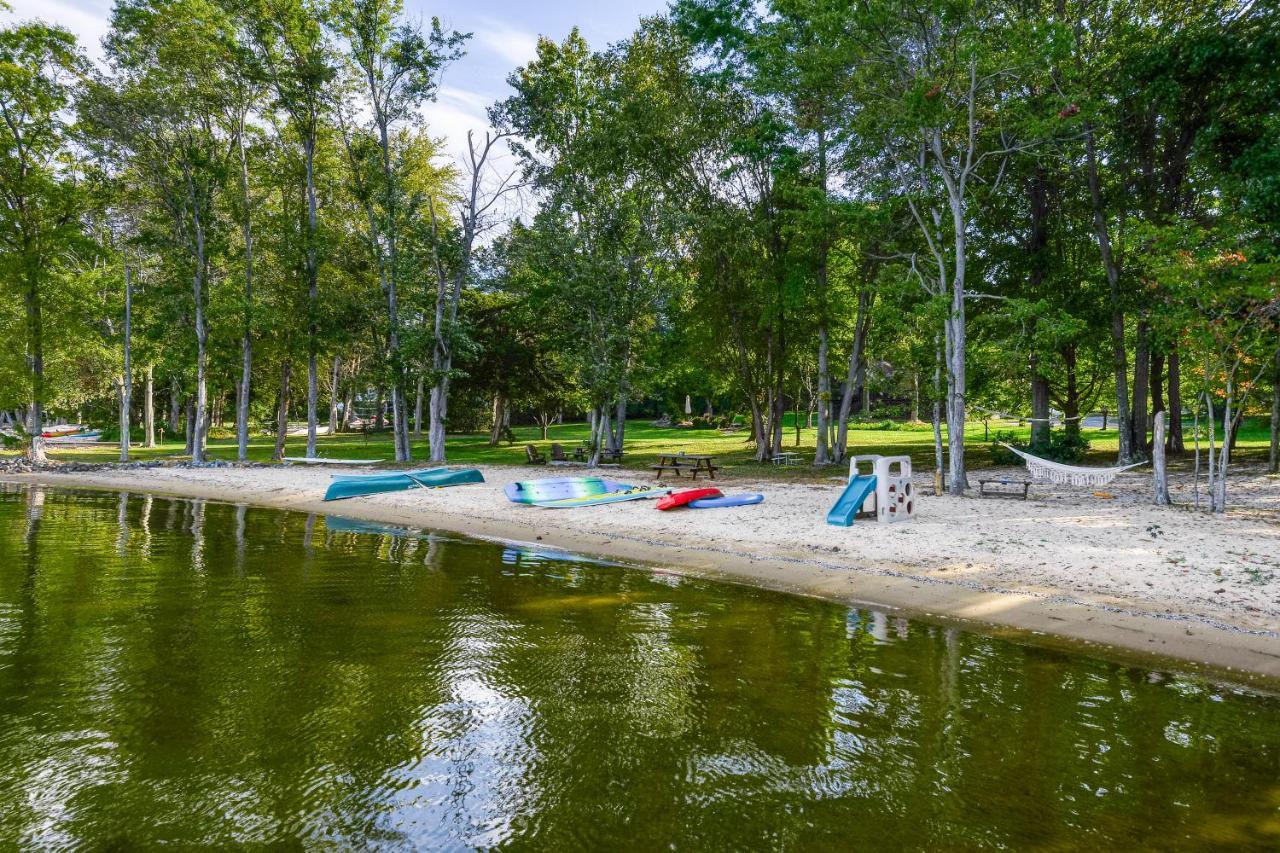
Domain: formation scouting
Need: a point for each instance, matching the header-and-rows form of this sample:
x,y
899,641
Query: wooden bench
x,y
1008,487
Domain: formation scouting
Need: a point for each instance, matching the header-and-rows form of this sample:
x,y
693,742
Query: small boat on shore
x,y
356,485
84,437
62,430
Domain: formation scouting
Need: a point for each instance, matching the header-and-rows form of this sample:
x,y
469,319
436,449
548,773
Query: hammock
x,y
1056,472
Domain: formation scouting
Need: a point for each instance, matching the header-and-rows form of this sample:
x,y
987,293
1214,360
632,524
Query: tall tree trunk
x,y
1157,383
1229,424
1273,456
417,410
334,390
956,395
1119,355
200,426
348,401
190,419
938,460
149,408
861,327
620,420
1040,425
1037,243
282,411
1176,443
399,403
821,455
495,431
126,377
1141,383
864,389
1071,400
175,404
313,294
957,347
35,368
1157,458
915,395
245,385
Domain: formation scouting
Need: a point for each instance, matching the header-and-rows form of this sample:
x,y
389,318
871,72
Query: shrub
x,y
1002,455
1063,446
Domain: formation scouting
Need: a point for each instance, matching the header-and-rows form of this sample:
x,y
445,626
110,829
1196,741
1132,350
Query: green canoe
x,y
355,485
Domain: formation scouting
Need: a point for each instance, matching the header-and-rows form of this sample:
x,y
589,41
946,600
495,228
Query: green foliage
x,y
1064,446
721,196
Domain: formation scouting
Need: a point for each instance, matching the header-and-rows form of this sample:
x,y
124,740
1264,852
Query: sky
x,y
505,33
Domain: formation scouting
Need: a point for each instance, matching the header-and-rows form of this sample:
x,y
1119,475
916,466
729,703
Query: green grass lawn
x,y
645,442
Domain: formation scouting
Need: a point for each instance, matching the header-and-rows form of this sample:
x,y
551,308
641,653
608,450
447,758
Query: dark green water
x,y
207,675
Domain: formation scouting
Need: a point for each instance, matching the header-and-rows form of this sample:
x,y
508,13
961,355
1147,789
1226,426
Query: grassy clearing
x,y
645,442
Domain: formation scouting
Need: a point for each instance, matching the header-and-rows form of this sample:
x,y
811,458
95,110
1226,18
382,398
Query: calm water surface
x,y
196,674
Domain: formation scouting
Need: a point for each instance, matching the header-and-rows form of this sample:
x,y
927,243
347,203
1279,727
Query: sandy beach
x,y
1069,566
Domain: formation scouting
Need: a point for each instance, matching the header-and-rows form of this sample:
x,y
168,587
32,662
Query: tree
x,y
478,211
940,100
398,67
298,64
40,67
157,116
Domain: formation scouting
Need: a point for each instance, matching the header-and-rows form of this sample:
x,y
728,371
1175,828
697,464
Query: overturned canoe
x,y
354,485
565,492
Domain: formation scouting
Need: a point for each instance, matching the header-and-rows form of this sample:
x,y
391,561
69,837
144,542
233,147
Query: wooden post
x,y
1158,461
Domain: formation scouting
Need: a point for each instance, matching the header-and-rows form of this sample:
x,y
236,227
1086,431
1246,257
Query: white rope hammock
x,y
1056,472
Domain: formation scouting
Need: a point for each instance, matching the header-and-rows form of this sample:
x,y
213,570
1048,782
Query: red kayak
x,y
676,499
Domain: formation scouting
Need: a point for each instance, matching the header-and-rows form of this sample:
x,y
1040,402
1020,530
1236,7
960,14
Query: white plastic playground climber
x,y
884,493
1075,475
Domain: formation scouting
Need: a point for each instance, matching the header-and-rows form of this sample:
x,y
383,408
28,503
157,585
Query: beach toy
x,y
882,494
679,499
745,499
567,492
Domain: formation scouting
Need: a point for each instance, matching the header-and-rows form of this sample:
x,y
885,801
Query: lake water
x,y
179,672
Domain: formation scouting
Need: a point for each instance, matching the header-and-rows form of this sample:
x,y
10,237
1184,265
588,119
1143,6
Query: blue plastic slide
x,y
851,500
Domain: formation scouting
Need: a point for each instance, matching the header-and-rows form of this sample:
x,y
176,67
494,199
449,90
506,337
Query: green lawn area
x,y
645,442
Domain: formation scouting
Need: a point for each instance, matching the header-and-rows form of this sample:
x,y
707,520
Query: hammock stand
x,y
1056,472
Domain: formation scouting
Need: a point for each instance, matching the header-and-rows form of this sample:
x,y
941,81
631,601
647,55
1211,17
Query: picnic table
x,y
695,463
786,458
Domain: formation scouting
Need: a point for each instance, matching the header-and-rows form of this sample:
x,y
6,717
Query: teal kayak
x,y
355,485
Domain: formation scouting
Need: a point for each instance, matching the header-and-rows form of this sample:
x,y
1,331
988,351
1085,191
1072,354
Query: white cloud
x,y
516,47
88,19
452,118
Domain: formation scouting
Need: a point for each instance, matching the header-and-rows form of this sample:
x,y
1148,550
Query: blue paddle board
x,y
747,499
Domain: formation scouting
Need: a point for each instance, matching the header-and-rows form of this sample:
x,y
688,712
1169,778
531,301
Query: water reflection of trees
x,y
228,674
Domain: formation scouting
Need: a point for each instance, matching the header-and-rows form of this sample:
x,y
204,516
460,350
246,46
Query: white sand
x,y
1118,572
